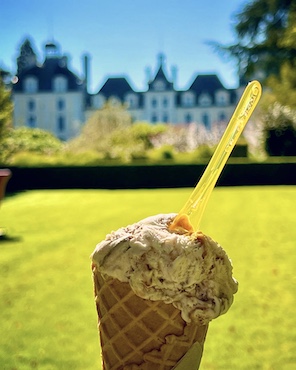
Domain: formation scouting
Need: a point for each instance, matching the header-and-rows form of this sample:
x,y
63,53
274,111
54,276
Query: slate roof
x,y
45,74
206,84
209,84
118,87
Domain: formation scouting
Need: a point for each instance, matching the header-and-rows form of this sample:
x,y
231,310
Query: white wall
x,y
47,112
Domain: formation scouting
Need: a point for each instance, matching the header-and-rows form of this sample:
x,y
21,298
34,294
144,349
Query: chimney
x,y
174,71
86,70
148,73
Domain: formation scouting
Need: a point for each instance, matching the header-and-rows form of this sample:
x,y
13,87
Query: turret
x,y
52,50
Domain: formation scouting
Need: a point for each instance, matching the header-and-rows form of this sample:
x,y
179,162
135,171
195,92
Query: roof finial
x,y
161,59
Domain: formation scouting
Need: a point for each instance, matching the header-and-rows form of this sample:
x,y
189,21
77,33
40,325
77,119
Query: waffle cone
x,y
139,334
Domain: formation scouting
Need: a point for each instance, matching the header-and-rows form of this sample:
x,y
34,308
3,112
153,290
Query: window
x,y
154,103
60,84
31,105
61,104
222,98
206,120
32,121
159,85
61,123
188,118
114,100
132,100
154,118
222,117
188,99
165,118
205,100
165,102
31,85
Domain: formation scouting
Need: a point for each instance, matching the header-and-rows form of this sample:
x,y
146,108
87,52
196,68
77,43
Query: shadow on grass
x,y
9,194
6,238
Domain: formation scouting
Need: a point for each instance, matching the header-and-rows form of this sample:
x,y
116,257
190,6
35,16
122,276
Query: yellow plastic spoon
x,y
190,215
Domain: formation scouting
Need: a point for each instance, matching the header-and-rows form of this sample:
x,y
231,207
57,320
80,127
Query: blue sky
x,y
124,37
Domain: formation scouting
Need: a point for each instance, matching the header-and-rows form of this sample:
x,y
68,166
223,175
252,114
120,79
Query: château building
x,y
51,97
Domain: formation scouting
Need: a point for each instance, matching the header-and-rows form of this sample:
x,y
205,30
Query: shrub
x,y
6,108
147,133
28,159
119,139
30,140
280,130
205,151
165,152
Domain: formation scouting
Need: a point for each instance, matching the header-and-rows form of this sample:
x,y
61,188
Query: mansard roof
x,y
52,67
206,84
209,84
117,87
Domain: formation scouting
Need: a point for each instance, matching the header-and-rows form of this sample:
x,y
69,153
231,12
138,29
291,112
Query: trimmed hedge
x,y
159,176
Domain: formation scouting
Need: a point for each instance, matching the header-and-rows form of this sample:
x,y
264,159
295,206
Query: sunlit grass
x,y
48,319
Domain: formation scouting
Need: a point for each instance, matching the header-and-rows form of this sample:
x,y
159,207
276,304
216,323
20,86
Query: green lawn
x,y
47,314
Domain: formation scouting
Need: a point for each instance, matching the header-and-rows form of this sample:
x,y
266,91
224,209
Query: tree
x,y
6,108
265,30
5,76
97,130
27,57
266,50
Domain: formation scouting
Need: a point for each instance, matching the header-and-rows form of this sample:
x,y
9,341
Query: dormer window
x,y
159,85
222,98
60,84
188,99
205,100
114,100
31,84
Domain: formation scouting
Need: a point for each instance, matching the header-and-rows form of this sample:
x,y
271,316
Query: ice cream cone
x,y
140,334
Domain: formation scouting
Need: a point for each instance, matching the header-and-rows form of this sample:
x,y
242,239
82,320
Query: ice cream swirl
x,y
188,270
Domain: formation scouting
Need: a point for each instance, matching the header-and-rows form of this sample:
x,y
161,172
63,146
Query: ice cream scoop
x,y
188,270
